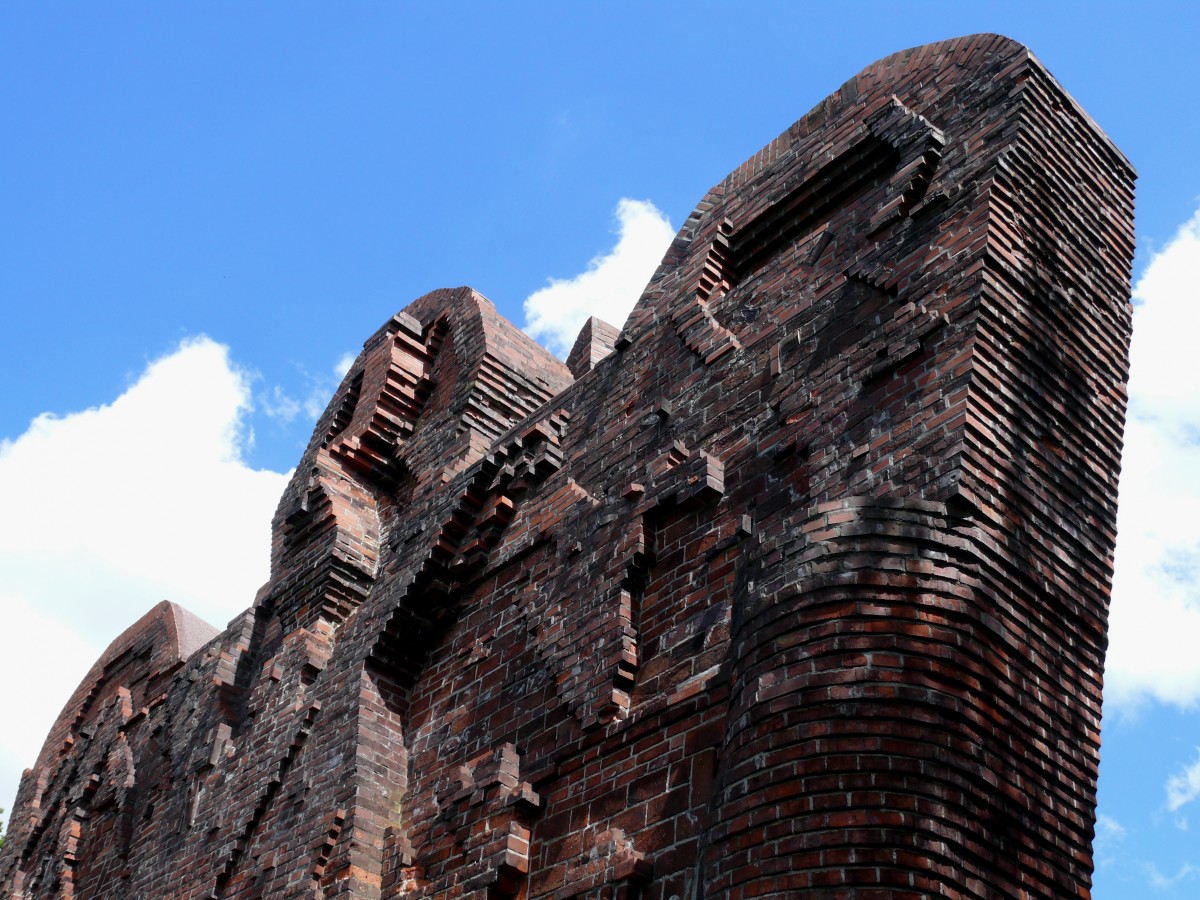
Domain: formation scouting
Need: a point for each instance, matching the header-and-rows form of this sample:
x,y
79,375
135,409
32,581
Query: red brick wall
x,y
801,588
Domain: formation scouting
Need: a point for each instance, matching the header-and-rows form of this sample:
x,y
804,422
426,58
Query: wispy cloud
x,y
1119,855
1109,835
1160,882
1182,788
278,404
110,510
611,284
1155,620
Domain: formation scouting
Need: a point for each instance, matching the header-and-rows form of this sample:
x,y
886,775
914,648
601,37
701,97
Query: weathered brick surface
x,y
797,585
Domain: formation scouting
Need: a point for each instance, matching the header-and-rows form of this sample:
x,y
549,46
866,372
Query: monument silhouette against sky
x,y
795,584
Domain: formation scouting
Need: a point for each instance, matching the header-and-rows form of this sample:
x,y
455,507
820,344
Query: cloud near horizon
x,y
610,285
1155,619
109,511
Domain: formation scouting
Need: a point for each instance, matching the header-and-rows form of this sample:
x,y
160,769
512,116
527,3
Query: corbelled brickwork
x,y
797,584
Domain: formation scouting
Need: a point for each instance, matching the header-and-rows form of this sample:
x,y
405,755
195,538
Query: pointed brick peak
x,y
596,340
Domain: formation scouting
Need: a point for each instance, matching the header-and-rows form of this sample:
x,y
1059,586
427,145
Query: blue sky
x,y
205,208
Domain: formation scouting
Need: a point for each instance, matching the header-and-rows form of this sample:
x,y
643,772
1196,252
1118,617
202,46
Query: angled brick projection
x,y
796,585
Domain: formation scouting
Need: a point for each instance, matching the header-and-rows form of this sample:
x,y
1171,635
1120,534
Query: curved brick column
x,y
865,744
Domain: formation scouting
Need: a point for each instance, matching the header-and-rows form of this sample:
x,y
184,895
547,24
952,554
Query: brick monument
x,y
797,584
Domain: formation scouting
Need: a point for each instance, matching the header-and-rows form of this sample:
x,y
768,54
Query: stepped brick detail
x,y
797,585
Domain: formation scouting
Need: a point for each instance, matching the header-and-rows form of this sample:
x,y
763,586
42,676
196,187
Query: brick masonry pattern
x,y
796,585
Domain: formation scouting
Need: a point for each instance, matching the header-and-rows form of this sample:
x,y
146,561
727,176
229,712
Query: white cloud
x,y
611,284
1184,787
278,404
1161,882
1155,620
1108,828
322,387
342,366
1109,835
110,510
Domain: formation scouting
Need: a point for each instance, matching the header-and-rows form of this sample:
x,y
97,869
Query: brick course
x,y
795,585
